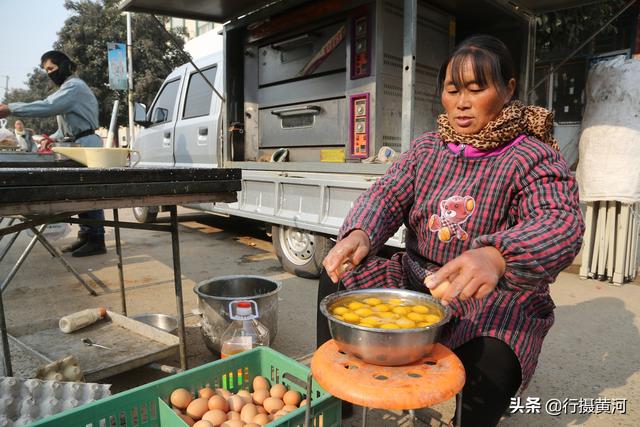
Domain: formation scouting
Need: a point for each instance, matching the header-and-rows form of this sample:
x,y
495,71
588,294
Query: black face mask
x,y
59,76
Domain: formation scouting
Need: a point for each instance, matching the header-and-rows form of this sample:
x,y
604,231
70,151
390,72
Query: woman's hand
x,y
346,254
473,274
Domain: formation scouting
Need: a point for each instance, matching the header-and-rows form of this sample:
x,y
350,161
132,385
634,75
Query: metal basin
x,y
164,322
214,296
386,347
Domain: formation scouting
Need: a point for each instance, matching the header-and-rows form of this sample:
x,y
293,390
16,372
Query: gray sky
x,y
29,28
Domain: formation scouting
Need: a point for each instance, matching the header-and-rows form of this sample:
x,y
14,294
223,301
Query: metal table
x,y
42,195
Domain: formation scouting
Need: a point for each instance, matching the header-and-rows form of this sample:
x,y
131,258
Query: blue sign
x,y
117,59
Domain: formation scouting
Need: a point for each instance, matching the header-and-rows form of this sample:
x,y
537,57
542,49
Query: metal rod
x,y
412,417
56,254
9,223
587,251
579,48
123,298
408,73
173,40
307,409
177,279
34,222
6,351
365,411
165,368
459,409
133,225
611,240
621,245
5,250
20,260
130,82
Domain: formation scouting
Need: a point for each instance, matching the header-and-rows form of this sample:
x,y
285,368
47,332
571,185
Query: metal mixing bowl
x,y
386,347
164,322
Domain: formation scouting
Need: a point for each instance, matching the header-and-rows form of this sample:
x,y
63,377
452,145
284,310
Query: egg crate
x,y
23,402
147,405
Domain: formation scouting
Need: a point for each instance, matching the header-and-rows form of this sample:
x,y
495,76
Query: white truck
x,y
312,91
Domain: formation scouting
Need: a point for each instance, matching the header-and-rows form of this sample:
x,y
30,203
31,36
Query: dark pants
x,y
492,369
92,230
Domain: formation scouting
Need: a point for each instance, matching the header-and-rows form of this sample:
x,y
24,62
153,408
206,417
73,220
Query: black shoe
x,y
94,246
79,242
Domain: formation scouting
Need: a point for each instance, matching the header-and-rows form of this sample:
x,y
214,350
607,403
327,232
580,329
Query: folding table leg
x,y
177,280
56,254
20,260
116,228
6,352
5,250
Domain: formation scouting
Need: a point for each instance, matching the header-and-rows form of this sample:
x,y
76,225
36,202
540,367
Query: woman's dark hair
x,y
490,59
60,59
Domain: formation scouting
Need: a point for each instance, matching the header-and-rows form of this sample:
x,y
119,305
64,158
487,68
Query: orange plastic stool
x,y
437,378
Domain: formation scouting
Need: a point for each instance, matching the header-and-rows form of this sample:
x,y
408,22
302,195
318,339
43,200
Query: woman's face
x,y
471,107
18,126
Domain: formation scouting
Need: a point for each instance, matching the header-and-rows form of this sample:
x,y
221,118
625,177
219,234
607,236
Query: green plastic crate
x,y
145,406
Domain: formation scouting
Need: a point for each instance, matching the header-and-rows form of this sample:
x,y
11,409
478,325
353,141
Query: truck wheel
x,y
300,252
145,215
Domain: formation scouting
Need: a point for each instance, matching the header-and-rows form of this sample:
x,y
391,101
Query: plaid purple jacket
x,y
523,201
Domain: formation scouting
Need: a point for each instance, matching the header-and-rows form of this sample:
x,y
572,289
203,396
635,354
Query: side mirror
x,y
160,115
140,115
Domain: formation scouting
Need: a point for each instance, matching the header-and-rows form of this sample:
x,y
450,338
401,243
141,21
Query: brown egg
x,y
272,404
261,409
292,397
441,289
303,402
206,393
215,417
233,415
234,423
251,425
180,398
187,419
261,419
203,423
218,402
260,383
249,411
277,391
260,395
223,392
245,395
235,403
289,408
279,414
197,408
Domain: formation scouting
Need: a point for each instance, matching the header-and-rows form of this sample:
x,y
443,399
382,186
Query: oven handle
x,y
296,111
292,42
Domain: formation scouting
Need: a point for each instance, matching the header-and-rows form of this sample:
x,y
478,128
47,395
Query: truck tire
x,y
300,251
145,215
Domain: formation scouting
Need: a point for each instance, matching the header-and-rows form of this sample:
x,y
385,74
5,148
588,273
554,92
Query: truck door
x,y
155,143
197,125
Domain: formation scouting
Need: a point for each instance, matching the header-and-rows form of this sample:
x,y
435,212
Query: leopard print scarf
x,y
514,119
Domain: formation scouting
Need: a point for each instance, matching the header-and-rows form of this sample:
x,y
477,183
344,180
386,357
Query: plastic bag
x,y
7,138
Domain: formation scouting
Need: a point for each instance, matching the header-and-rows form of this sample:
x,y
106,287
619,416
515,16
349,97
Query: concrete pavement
x,y
592,352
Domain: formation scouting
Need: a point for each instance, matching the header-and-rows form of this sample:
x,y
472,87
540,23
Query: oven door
x,y
319,51
313,123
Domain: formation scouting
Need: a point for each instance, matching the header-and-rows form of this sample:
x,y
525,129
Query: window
x,y
162,110
199,93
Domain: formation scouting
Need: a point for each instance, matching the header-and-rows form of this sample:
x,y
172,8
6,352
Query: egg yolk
x,y
351,317
354,305
363,312
372,301
422,309
340,310
381,307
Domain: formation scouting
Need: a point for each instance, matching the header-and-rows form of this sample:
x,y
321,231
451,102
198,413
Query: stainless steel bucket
x,y
215,294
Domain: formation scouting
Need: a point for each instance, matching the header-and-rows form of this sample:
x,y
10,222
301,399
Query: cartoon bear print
x,y
455,211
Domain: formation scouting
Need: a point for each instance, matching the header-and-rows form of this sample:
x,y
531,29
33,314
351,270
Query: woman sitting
x,y
491,214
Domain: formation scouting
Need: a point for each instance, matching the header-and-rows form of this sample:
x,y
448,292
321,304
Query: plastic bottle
x,y
245,331
81,319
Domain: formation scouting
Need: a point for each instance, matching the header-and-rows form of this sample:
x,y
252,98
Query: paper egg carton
x,y
24,401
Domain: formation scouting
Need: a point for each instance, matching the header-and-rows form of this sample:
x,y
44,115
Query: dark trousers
x,y
492,369
92,230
